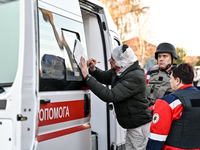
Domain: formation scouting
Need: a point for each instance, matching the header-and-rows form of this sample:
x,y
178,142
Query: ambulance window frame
x,y
77,34
116,40
64,29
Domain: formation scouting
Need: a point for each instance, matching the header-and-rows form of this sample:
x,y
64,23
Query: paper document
x,y
79,51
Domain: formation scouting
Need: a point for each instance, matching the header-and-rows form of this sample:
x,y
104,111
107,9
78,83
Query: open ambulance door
x,y
101,38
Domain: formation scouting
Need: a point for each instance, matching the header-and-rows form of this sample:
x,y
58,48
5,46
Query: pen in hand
x,y
94,62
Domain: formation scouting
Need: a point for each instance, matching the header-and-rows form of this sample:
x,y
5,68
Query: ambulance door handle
x,y
86,105
110,106
45,101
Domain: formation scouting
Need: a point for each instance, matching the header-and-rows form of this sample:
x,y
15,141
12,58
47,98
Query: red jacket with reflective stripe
x,y
166,109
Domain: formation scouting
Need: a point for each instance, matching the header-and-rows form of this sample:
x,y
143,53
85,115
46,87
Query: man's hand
x,y
91,64
83,66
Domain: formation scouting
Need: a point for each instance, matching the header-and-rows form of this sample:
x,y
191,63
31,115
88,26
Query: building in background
x,y
142,49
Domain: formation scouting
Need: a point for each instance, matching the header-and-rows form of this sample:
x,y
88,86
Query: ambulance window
x,y
58,68
9,41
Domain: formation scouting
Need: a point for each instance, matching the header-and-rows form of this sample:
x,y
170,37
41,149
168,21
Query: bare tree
x,y
124,13
144,31
129,13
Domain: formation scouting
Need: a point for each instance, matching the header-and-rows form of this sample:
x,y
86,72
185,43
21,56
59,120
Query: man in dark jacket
x,y
128,93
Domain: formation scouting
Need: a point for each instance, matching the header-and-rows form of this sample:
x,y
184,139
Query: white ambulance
x,y
44,102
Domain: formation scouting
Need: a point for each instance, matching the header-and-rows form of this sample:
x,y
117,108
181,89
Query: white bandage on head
x,y
124,57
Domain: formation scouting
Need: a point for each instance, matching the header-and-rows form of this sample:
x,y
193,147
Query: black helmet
x,y
166,48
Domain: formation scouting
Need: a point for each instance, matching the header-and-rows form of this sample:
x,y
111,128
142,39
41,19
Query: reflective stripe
x,y
63,132
175,103
148,76
157,137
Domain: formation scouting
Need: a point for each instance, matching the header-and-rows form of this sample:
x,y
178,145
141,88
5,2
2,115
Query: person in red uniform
x,y
175,123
